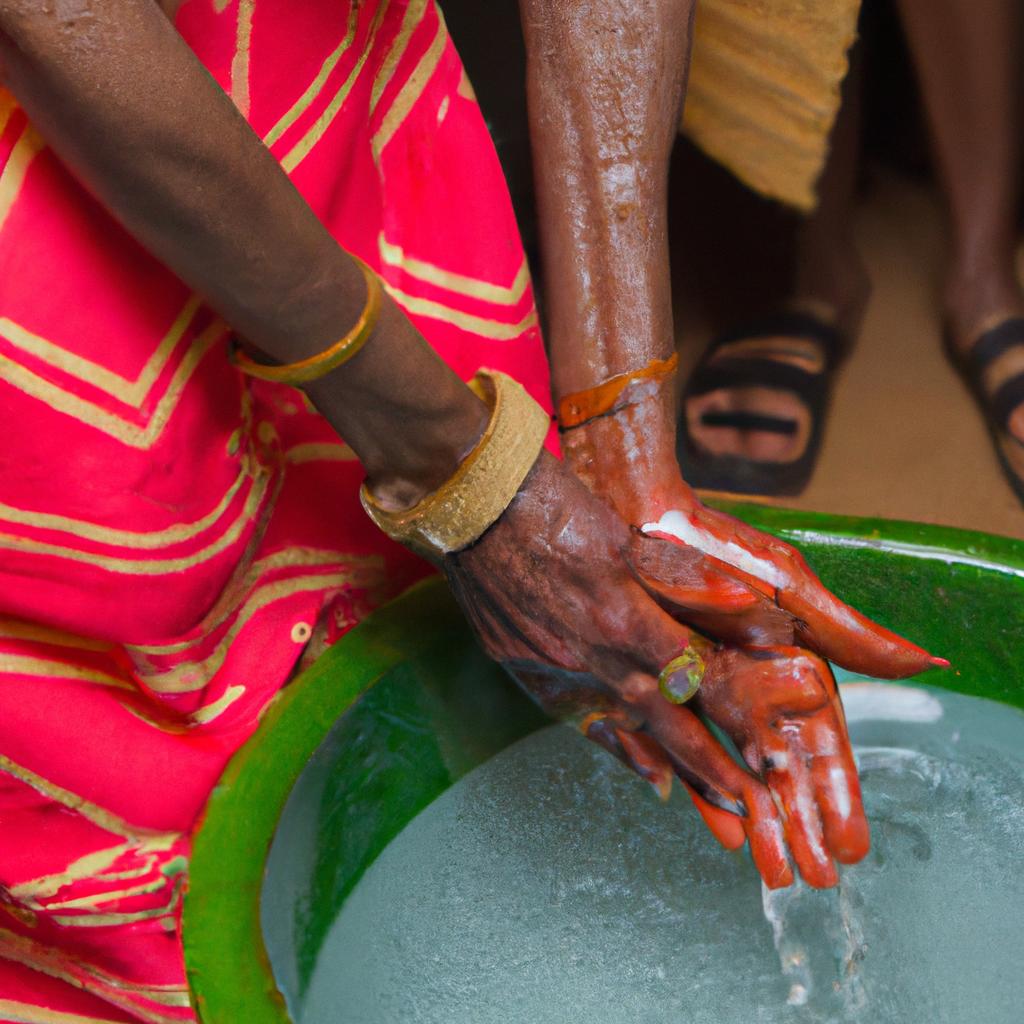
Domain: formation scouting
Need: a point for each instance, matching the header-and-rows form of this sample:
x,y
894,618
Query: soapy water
x,y
551,886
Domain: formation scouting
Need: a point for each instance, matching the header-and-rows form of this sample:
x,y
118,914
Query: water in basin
x,y
550,886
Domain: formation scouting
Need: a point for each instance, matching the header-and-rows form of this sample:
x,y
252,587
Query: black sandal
x,y
997,407
735,473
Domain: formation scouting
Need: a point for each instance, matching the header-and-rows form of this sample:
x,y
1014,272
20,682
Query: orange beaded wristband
x,y
582,406
330,359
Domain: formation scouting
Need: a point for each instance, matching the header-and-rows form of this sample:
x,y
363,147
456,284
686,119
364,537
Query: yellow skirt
x,y
764,89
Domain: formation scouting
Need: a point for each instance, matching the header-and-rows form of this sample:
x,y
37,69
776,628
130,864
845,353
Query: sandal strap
x,y
749,421
788,324
994,343
1007,398
725,374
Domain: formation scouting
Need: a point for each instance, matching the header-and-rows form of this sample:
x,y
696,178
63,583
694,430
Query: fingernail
x,y
938,662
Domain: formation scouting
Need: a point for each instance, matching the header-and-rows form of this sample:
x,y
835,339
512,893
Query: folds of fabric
x,y
174,539
764,88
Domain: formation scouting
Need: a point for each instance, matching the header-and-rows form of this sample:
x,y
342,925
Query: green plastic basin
x,y
406,704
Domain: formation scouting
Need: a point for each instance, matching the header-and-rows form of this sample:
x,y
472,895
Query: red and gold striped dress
x,y
173,538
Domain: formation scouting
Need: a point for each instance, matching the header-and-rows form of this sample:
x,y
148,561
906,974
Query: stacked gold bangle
x,y
330,359
458,513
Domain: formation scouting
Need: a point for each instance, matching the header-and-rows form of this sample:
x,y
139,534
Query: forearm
x,y
605,83
127,106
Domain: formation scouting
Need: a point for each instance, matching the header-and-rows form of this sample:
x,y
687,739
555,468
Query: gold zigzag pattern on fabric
x,y
16,629
129,917
93,866
482,326
14,1012
99,898
411,90
305,145
100,816
146,540
130,434
90,866
191,676
324,451
12,177
306,100
502,295
152,566
240,62
413,16
81,974
129,392
47,668
365,570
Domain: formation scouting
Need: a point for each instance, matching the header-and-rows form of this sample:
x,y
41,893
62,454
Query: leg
x,y
765,425
967,63
967,60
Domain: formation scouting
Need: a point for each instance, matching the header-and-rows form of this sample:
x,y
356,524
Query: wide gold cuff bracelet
x,y
458,512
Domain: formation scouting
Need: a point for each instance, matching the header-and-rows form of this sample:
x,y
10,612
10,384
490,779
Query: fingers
x,y
706,593
684,577
648,760
725,826
837,789
789,778
822,622
700,760
844,636
782,708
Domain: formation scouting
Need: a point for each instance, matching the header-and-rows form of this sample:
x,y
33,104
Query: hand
x,y
793,606
550,591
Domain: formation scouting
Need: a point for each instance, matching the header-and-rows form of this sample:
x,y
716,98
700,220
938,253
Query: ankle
x,y
835,279
977,292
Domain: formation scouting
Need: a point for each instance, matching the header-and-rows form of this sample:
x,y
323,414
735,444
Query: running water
x,y
550,886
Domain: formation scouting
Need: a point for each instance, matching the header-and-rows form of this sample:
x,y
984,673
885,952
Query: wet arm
x,y
605,81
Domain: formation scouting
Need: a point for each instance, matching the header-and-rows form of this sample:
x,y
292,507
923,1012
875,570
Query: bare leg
x,y
829,281
967,60
829,271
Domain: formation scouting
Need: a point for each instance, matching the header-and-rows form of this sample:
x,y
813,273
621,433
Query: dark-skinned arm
x,y
552,586
126,105
606,83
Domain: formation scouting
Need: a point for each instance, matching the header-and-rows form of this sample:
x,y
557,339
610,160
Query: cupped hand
x,y
552,595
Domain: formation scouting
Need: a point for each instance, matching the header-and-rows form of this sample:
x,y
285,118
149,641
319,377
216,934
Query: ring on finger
x,y
680,679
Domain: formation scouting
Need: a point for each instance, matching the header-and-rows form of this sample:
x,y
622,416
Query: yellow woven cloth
x,y
764,88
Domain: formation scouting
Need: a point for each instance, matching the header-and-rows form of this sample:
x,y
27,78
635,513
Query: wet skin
x,y
606,82
560,588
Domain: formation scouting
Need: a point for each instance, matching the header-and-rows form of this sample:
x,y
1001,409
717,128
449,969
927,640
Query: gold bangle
x,y
458,512
583,406
330,359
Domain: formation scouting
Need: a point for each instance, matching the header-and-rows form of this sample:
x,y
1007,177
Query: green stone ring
x,y
687,668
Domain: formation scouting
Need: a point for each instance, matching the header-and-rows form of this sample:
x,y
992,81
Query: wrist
x,y
629,456
410,420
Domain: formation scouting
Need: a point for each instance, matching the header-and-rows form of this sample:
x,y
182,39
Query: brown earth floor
x,y
904,440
